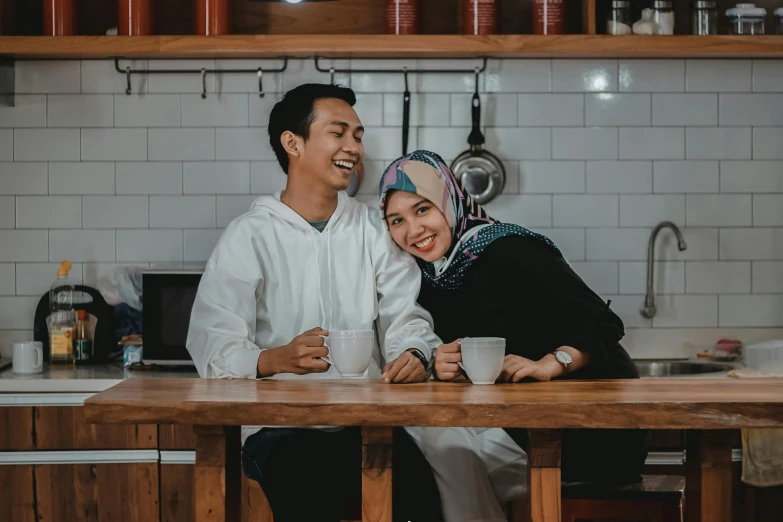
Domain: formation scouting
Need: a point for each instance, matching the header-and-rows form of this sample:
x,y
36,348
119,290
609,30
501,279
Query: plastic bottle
x,y
61,320
82,348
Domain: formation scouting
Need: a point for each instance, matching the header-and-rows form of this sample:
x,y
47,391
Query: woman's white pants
x,y
478,470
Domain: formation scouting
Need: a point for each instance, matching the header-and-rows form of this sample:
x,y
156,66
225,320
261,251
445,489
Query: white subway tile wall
x,y
597,152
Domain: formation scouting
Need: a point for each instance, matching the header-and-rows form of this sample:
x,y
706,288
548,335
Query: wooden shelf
x,y
385,46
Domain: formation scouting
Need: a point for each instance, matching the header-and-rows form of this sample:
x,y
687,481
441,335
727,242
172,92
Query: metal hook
x,y
203,84
128,79
405,73
261,93
331,76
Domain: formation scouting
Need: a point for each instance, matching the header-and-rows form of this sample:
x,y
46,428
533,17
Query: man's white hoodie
x,y
272,276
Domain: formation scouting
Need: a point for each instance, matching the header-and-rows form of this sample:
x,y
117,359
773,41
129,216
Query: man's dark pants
x,y
311,475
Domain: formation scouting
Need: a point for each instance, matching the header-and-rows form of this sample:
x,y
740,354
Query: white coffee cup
x,y
28,357
482,358
350,351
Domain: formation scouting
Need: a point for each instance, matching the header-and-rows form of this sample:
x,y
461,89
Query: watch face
x,y
563,356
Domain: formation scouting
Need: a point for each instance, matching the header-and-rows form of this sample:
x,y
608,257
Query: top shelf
x,y
389,46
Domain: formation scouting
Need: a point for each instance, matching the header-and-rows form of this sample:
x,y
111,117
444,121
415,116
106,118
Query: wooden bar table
x,y
218,408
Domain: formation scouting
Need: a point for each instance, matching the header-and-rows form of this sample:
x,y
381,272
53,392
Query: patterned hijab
x,y
425,173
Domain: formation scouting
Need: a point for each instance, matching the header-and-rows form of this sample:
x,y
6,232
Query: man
x,y
298,264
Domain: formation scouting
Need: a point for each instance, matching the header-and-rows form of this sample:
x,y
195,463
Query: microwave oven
x,y
167,301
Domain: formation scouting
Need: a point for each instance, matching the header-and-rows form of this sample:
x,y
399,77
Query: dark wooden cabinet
x,y
17,500
16,429
176,437
97,492
64,428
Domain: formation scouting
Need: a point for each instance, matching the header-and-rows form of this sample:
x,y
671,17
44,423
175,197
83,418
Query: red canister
x,y
403,17
480,17
135,17
213,17
59,17
549,17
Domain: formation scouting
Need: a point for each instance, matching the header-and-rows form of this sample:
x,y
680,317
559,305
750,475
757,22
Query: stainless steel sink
x,y
652,369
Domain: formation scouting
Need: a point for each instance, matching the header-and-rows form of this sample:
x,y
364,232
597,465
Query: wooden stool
x,y
658,498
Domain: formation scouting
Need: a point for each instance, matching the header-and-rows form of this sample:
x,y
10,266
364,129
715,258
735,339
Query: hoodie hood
x,y
272,205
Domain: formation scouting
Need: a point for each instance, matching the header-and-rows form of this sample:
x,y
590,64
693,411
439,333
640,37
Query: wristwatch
x,y
565,360
422,359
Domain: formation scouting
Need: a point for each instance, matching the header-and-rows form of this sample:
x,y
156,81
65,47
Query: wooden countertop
x,y
654,403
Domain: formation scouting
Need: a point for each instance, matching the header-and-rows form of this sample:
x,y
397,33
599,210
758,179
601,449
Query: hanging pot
x,y
481,172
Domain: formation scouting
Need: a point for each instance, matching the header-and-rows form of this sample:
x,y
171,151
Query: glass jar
x,y
746,19
620,20
663,16
779,18
704,17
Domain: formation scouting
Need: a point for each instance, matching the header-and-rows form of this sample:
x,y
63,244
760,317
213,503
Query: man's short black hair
x,y
295,113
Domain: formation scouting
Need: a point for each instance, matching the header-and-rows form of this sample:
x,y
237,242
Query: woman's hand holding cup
x,y
447,357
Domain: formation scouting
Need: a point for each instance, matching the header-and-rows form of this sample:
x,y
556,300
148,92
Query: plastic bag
x,y
122,285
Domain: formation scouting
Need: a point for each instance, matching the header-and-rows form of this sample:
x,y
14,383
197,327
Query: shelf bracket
x,y
259,72
7,82
332,70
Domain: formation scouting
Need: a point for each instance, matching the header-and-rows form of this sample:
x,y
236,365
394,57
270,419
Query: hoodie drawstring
x,y
318,276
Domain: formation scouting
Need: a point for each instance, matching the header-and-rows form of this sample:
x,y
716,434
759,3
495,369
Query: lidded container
x,y
135,17
779,18
61,321
663,16
620,20
480,17
704,17
59,18
746,19
403,17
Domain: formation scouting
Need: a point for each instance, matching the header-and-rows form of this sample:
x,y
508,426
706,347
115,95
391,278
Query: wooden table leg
x,y
217,479
708,476
543,475
377,474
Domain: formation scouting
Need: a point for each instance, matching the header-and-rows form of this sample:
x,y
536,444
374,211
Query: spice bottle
x,y
779,19
549,17
403,17
82,345
135,18
213,17
704,17
59,17
620,20
480,17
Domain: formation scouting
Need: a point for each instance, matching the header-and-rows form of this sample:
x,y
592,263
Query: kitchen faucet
x,y
648,310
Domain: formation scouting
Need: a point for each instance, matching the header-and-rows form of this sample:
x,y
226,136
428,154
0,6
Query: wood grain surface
x,y
376,474
391,46
216,484
653,403
64,428
16,428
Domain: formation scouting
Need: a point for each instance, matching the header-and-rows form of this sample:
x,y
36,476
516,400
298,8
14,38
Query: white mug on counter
x,y
28,357
350,351
482,358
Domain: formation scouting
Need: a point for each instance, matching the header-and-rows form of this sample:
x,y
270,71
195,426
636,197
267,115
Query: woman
x,y
483,278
